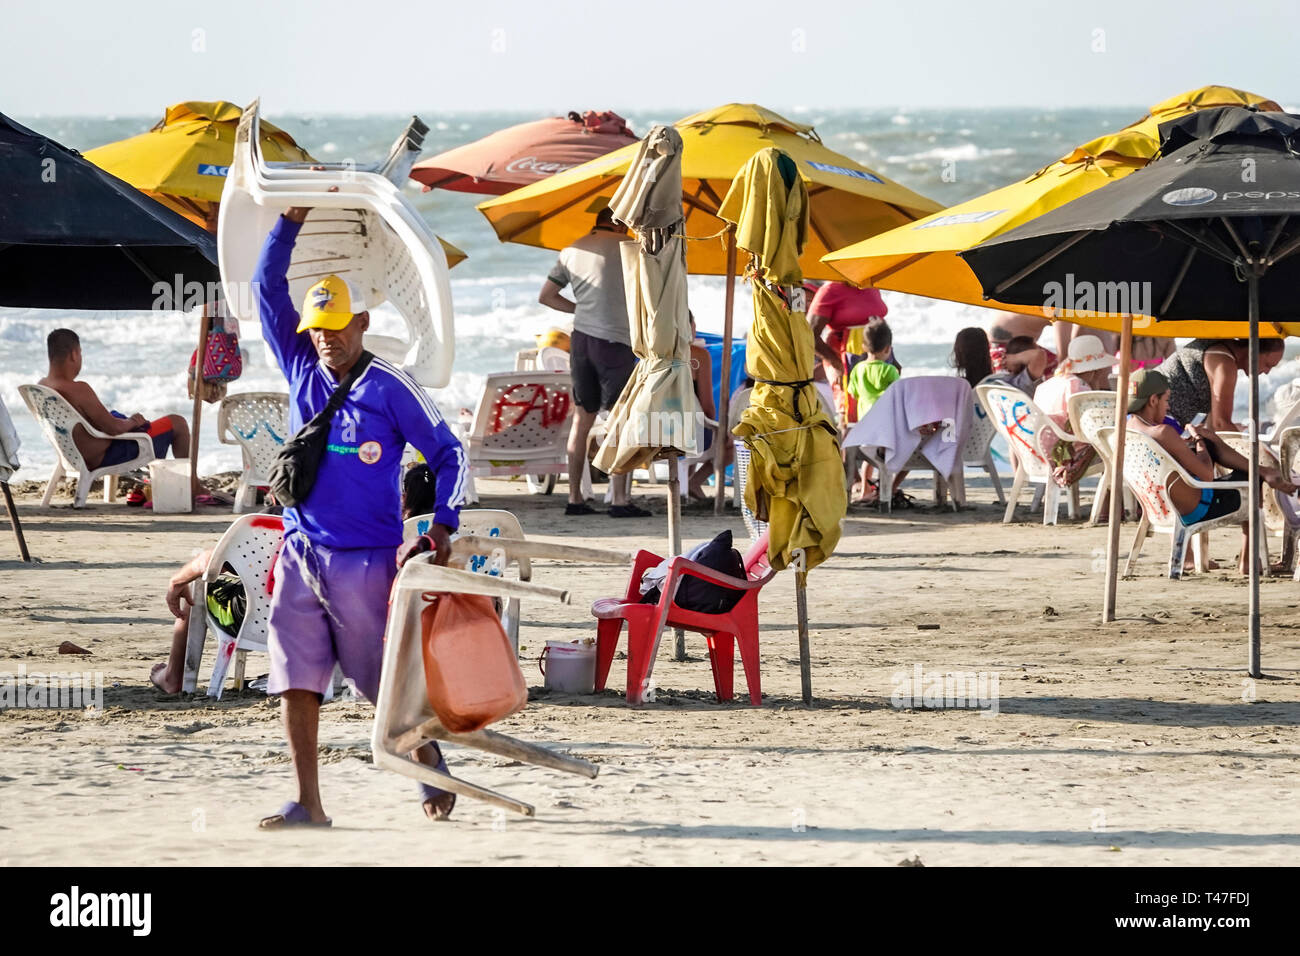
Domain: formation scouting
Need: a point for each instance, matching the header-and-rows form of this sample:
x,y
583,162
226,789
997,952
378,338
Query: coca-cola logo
x,y
531,164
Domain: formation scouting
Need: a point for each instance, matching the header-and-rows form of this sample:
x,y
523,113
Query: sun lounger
x,y
258,422
404,718
57,419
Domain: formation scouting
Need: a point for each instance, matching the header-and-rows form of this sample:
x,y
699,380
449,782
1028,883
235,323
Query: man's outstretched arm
x,y
271,292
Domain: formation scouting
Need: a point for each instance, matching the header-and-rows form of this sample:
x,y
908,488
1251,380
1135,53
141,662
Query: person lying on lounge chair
x,y
1148,405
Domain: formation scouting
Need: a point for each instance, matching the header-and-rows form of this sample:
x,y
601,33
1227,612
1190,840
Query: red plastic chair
x,y
646,622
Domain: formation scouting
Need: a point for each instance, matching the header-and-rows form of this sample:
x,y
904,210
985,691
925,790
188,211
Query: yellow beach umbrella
x,y
921,257
847,201
182,161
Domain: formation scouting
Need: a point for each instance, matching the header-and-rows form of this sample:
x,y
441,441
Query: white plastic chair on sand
x,y
1279,510
521,427
258,422
404,718
485,523
1148,469
1090,412
755,527
249,546
977,453
1024,426
57,419
367,232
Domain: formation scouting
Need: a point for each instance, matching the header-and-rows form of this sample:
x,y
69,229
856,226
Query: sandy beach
x,y
1136,743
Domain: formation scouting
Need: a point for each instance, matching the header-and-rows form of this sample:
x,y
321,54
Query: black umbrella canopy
x,y
74,237
1173,238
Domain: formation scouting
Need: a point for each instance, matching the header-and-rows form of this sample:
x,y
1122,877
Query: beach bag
x,y
293,473
222,361
705,597
470,670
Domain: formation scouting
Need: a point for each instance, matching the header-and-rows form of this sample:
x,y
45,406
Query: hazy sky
x,y
132,57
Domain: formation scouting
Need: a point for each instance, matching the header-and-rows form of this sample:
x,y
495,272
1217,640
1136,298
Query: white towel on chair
x,y
8,444
908,404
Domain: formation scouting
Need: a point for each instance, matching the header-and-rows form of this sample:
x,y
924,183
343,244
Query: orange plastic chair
x,y
645,622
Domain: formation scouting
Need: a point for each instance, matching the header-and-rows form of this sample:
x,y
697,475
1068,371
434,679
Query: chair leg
x,y
1135,552
241,661
1072,502
722,658
607,632
1099,497
747,639
640,645
55,478
194,639
510,621
1177,551
240,493
1037,501
1051,501
225,651
1016,487
110,488
991,468
957,487
885,494
83,490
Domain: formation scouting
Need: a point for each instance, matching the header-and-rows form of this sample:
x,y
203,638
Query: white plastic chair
x,y
249,546
1288,445
258,422
1148,469
521,427
367,232
485,523
57,419
755,527
1023,424
404,718
1279,512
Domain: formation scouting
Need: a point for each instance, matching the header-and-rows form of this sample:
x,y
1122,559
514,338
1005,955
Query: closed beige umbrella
x,y
656,415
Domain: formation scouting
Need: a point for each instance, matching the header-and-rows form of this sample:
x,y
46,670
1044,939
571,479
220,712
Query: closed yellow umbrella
x,y
847,201
921,258
796,476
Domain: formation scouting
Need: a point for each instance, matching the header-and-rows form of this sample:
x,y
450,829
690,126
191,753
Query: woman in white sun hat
x,y
1086,369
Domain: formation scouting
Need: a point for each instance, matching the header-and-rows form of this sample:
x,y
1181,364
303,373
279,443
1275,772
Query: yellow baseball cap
x,y
331,304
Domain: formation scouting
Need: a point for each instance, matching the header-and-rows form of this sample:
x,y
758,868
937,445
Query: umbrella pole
x,y
805,652
675,540
722,439
1117,472
1255,529
197,415
14,522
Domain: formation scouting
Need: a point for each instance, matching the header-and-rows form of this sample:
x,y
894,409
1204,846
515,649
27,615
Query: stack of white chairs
x,y
366,232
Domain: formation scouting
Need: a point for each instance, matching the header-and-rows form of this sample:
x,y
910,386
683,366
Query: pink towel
x,y
908,404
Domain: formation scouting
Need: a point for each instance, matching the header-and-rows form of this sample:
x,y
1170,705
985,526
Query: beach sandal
x,y
627,511
428,792
580,509
292,814
209,500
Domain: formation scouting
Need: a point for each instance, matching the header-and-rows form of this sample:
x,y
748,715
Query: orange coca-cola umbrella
x,y
520,155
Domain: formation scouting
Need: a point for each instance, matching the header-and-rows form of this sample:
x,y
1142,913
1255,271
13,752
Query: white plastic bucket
x,y
170,481
569,668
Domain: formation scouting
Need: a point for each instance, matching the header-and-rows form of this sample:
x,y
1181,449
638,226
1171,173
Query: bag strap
x,y
336,400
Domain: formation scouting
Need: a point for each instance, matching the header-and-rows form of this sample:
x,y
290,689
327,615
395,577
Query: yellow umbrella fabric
x,y
796,473
921,258
182,161
656,413
847,201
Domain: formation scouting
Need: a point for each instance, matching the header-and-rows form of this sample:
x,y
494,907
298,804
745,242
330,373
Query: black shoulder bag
x,y
293,472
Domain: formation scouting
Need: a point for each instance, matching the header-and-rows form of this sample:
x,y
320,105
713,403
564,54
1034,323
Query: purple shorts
x,y
329,607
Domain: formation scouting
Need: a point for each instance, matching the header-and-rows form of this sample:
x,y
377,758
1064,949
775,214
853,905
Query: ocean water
x,y
136,361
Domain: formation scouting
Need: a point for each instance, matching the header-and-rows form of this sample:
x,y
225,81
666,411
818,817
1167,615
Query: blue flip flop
x,y
292,814
429,792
